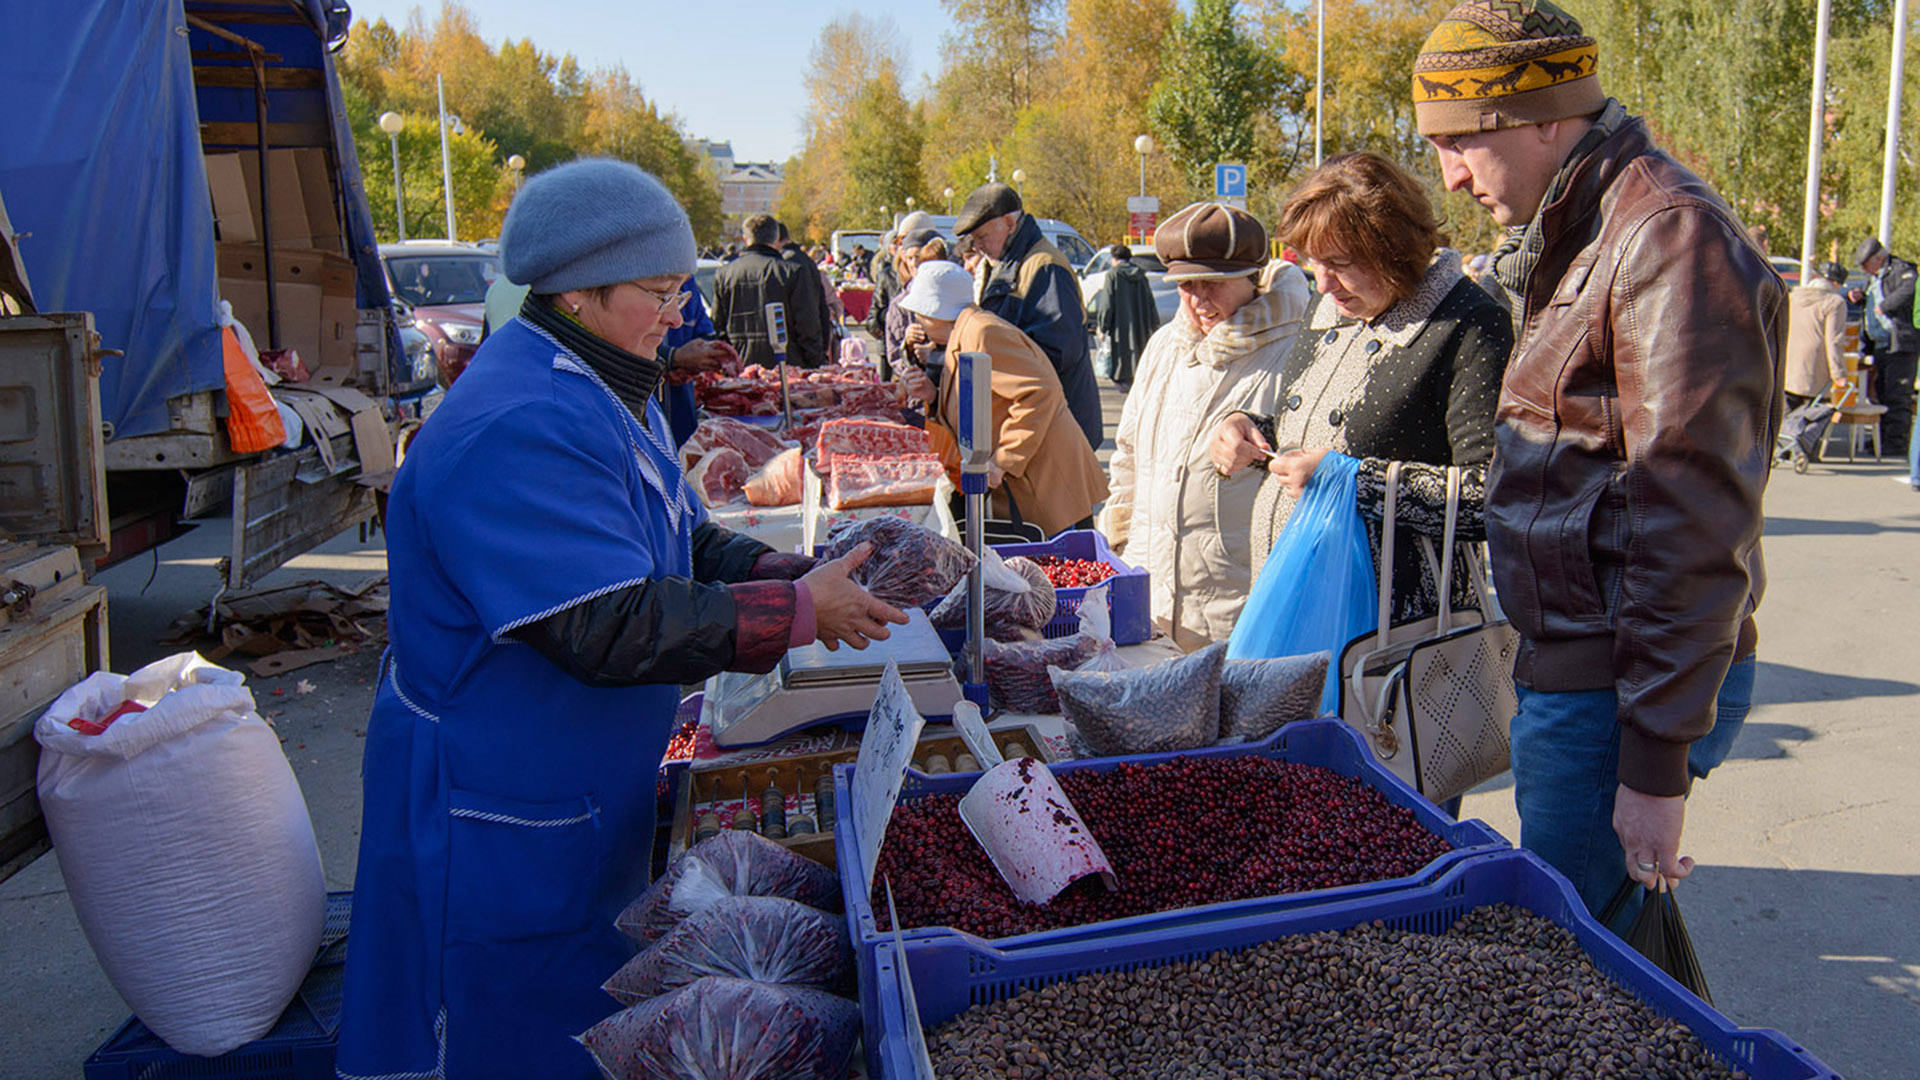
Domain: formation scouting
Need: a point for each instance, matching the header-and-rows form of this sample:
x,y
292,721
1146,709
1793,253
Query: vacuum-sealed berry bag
x,y
1258,697
1172,705
764,938
734,863
720,1028
910,565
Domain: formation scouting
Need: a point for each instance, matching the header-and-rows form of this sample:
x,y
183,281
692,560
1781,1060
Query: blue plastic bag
x,y
1317,588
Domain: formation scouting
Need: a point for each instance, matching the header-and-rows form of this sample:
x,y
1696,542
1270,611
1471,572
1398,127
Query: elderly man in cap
x,y
1892,339
1031,285
1632,438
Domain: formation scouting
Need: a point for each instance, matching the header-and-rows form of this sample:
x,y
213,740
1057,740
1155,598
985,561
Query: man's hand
x,y
1295,468
1649,830
705,354
844,612
1236,444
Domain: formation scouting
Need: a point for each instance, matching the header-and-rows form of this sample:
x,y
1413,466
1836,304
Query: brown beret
x,y
987,202
1211,240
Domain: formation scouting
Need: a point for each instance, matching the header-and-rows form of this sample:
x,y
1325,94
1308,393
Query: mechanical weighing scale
x,y
814,685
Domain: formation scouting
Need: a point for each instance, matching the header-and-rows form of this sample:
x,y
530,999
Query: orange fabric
x,y
253,421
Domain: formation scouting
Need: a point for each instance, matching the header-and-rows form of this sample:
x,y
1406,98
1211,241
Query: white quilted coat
x,y
1169,510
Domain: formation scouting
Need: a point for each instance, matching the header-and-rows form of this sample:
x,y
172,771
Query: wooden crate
x,y
701,789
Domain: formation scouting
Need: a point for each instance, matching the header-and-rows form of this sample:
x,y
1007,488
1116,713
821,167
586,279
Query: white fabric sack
x,y
187,849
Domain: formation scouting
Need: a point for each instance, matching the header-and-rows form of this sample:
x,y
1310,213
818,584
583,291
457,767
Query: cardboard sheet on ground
x,y
1031,832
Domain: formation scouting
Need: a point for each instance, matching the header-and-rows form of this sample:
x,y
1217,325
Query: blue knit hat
x,y
592,222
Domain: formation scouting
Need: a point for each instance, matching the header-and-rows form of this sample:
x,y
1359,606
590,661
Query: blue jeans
x,y
1566,748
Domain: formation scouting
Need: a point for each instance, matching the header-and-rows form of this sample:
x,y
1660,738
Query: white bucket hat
x,y
940,290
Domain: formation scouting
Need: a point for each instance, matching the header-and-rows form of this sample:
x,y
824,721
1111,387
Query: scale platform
x,y
814,685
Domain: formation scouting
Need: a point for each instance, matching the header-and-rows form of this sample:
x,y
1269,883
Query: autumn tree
x,y
1216,83
853,58
998,60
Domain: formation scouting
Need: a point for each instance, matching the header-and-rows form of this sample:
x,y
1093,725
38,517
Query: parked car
x,y
704,272
445,286
1166,295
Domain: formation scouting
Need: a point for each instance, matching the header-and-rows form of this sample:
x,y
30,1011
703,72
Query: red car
x,y
445,286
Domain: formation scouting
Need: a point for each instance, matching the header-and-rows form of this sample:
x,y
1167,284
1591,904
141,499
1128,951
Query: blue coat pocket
x,y
520,869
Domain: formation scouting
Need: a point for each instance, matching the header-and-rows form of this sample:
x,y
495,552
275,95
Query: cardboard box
x,y
233,214
316,297
323,209
285,192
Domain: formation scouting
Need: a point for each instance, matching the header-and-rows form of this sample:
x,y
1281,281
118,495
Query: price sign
x,y
893,727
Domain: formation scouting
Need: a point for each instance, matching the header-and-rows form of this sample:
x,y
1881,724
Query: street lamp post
x,y
886,218
1020,182
519,165
949,194
393,124
1143,145
909,204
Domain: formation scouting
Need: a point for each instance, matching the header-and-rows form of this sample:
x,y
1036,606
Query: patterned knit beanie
x,y
1504,63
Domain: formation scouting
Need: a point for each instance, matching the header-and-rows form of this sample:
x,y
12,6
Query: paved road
x,y
1803,907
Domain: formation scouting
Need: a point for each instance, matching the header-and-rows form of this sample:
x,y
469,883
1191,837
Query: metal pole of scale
x,y
975,372
777,337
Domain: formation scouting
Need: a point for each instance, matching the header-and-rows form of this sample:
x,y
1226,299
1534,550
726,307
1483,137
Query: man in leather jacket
x,y
1631,444
744,287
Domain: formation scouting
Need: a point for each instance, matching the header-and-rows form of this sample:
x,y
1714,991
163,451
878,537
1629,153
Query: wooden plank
x,y
276,517
36,666
243,134
206,492
52,480
187,450
237,77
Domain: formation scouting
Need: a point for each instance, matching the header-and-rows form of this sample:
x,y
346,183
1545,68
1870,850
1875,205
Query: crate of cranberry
x,y
1306,817
1079,560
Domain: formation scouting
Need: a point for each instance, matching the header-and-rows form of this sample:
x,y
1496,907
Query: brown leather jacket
x,y
1633,438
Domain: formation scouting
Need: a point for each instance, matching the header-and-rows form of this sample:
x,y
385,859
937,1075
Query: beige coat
x,y
1170,511
1052,474
1816,338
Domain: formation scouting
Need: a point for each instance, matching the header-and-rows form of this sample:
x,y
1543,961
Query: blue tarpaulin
x,y
101,168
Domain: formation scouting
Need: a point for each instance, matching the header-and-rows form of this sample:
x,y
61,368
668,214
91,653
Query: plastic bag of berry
x,y
722,1028
1017,679
734,863
764,938
1019,599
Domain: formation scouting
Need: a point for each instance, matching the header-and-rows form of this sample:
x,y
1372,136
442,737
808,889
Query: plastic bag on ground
x,y
720,1028
1172,705
764,938
1019,599
1317,589
1259,697
734,863
186,848
910,564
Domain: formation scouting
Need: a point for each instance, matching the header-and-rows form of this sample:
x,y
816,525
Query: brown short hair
x,y
1373,210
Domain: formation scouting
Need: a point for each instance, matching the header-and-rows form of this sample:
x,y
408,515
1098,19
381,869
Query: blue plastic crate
x,y
1326,742
300,1047
1128,592
953,975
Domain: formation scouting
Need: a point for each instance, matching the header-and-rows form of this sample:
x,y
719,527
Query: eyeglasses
x,y
669,303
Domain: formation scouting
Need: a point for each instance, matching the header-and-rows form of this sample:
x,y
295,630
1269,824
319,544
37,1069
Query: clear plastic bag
x,y
734,863
720,1028
910,565
1019,599
1017,678
1173,705
764,938
1259,697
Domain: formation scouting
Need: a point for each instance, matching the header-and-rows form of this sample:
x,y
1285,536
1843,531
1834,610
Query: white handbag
x,y
1433,696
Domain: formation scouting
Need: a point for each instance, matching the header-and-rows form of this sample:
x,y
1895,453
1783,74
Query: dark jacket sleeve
x,y
672,630
1695,360
1052,315
1896,300
722,555
1474,362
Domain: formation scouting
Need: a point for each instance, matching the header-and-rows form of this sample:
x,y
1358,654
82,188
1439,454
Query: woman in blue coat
x,y
554,582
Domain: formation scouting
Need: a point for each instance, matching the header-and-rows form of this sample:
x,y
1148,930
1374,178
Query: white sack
x,y
187,850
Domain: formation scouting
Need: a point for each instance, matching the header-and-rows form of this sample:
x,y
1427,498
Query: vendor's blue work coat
x,y
509,808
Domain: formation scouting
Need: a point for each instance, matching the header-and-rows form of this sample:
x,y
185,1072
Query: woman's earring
x,y
576,309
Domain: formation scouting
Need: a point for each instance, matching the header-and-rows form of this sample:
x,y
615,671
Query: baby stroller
x,y
1801,432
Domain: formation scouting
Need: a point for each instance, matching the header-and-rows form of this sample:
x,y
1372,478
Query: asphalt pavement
x,y
1802,908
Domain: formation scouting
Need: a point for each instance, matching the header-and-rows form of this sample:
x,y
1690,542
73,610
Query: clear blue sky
x,y
733,70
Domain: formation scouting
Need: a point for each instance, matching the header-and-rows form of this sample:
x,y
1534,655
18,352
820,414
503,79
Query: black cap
x,y
1868,249
1834,272
919,238
988,201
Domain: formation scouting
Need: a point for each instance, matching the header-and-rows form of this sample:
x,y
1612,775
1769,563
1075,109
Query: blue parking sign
x,y
1230,181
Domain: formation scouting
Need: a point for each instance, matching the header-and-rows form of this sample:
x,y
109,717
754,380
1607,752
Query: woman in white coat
x,y
1169,510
